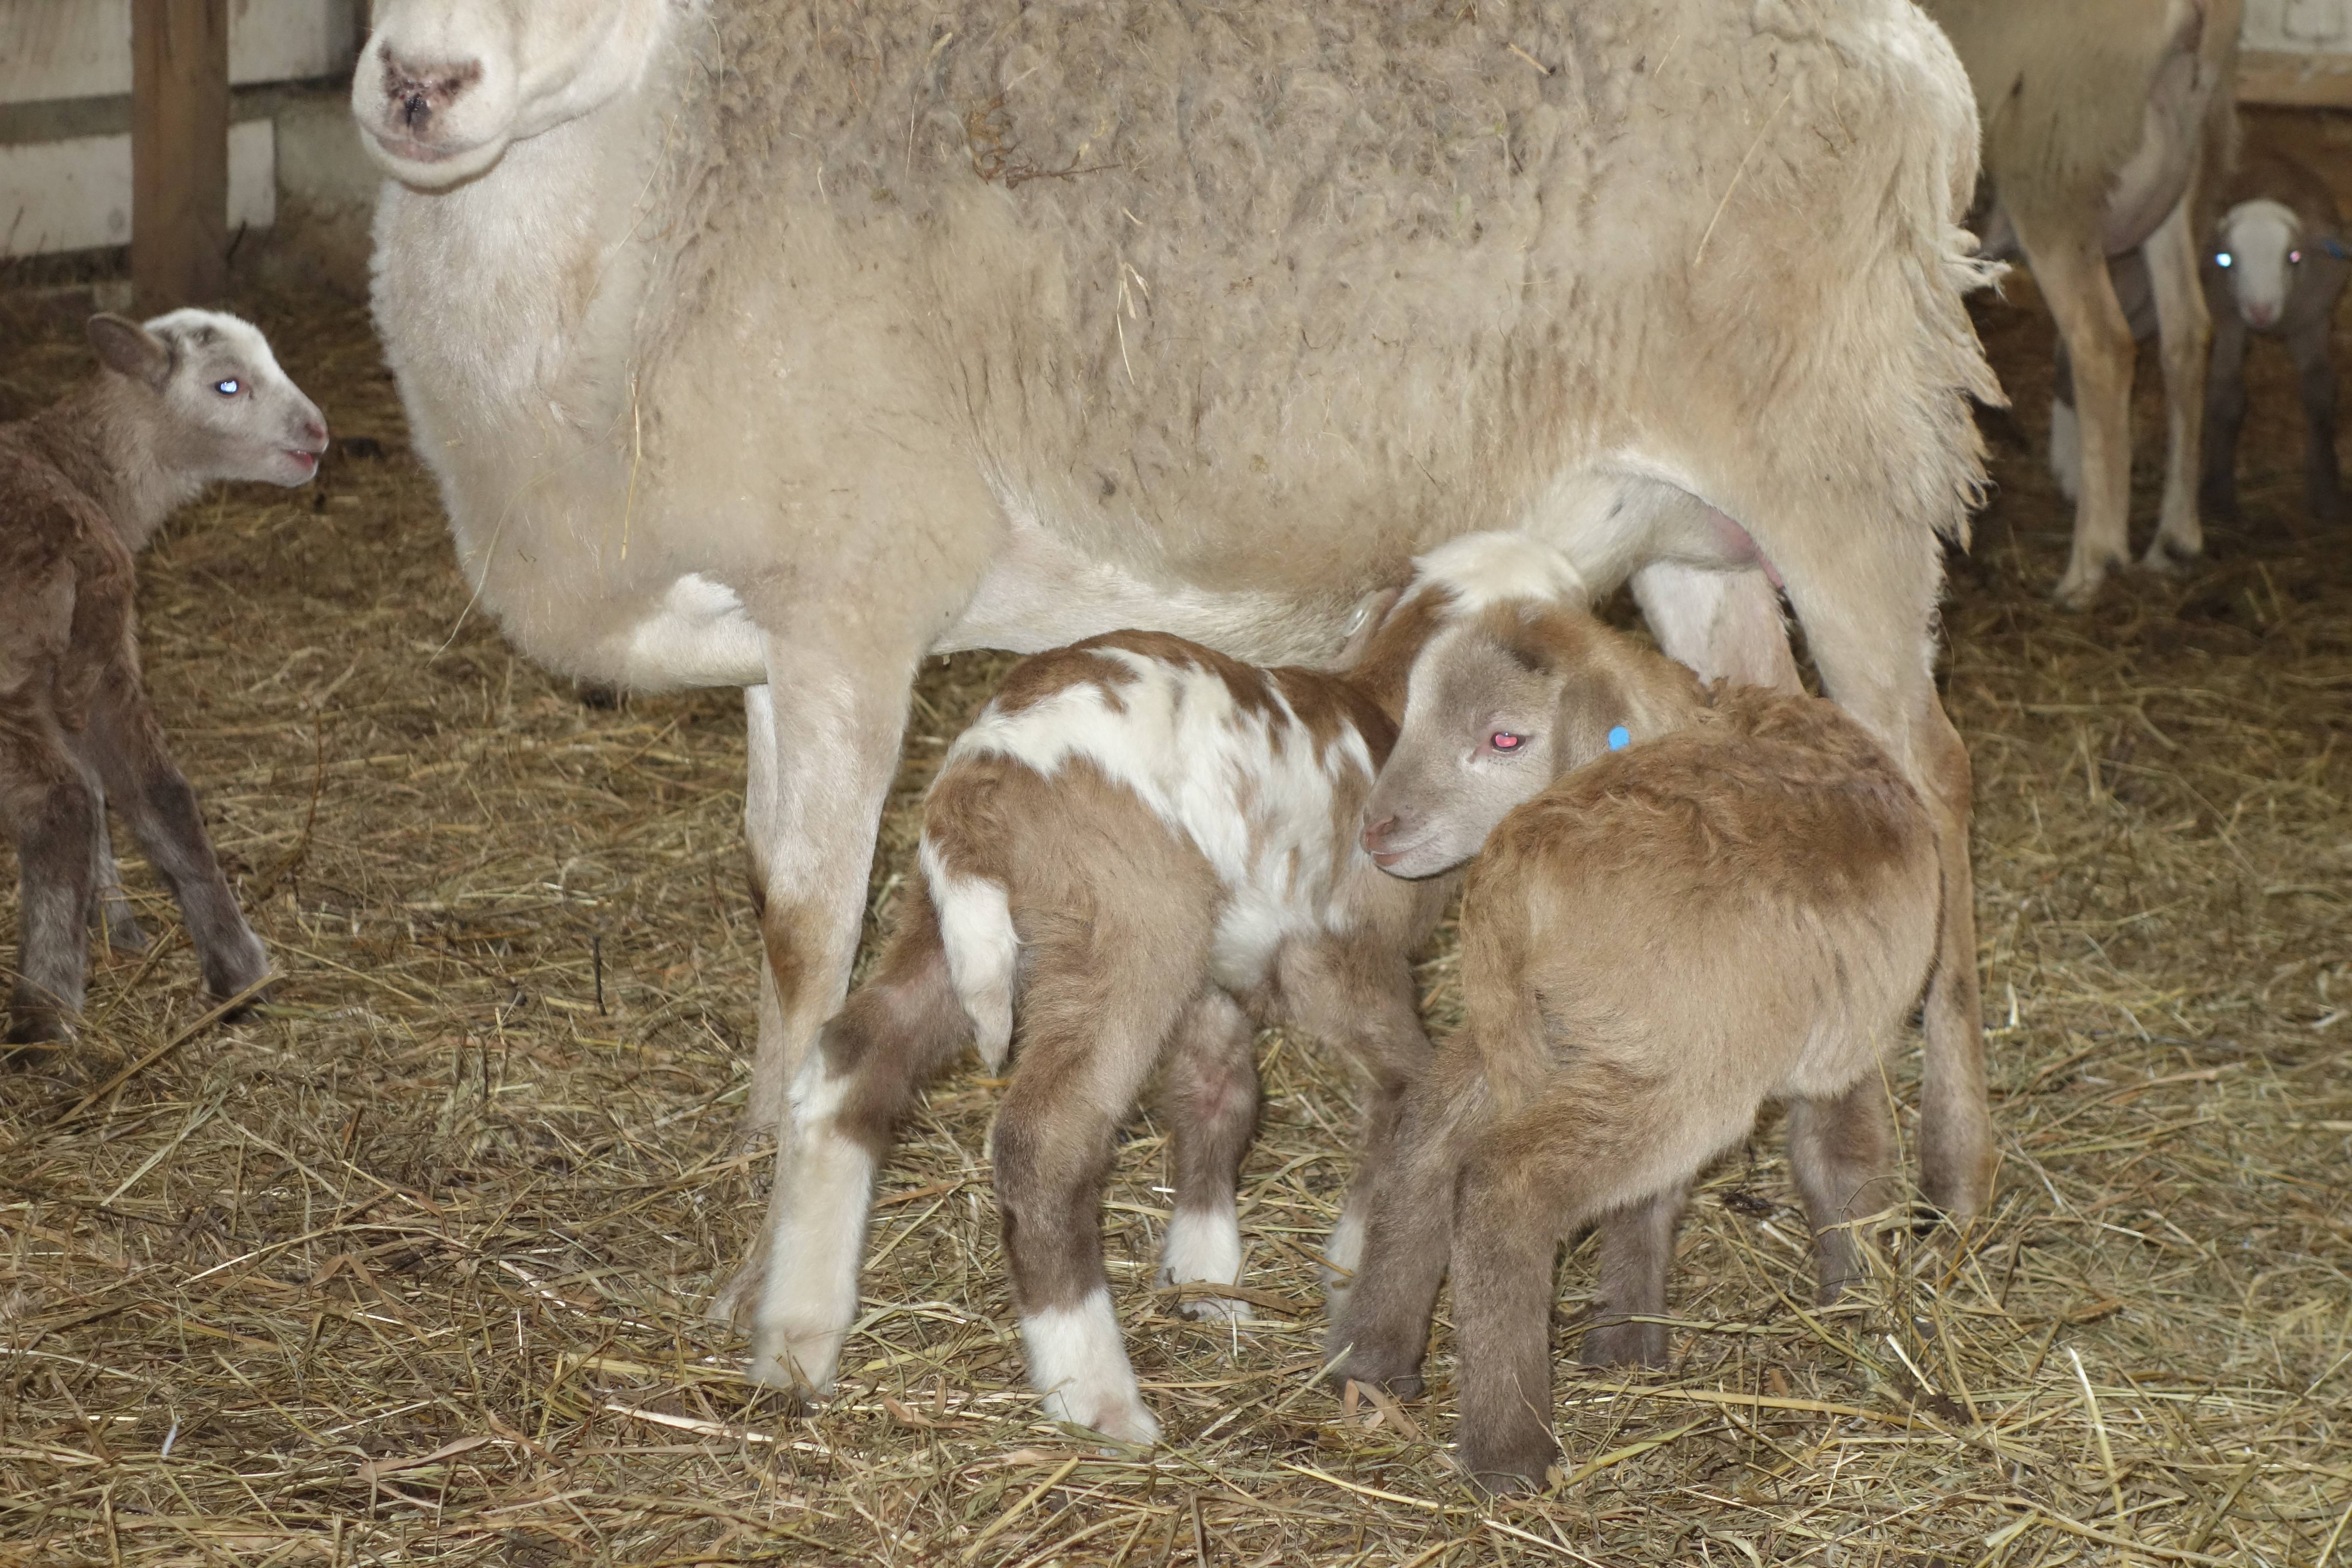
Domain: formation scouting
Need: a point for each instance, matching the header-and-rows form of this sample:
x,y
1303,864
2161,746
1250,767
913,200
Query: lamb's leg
x,y
1637,1246
53,813
1841,1151
2225,414
2072,271
1867,596
2186,333
1355,993
2322,484
872,1059
114,911
1506,1233
1379,1325
1209,1094
1098,1008
126,747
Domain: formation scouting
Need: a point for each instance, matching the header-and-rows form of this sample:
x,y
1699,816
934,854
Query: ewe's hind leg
x,y
1841,1153
872,1059
2072,272
1637,1247
53,813
1866,592
1355,995
2186,333
126,747
1096,1010
1209,1096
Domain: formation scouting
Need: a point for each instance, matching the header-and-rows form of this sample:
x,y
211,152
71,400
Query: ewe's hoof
x,y
2080,587
2169,558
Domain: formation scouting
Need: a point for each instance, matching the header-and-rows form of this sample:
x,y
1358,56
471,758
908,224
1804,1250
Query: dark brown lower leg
x,y
1637,1247
54,818
1503,1243
1840,1151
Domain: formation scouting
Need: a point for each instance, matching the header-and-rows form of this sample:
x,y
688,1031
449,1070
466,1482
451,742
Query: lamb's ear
x,y
1371,614
126,347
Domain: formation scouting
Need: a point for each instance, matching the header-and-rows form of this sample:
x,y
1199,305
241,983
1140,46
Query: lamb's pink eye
x,y
1504,741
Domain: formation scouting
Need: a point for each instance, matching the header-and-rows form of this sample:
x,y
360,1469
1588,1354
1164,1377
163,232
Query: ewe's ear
x,y
130,349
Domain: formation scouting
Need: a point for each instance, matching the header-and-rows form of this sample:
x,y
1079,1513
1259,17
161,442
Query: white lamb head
x,y
223,409
442,86
2261,246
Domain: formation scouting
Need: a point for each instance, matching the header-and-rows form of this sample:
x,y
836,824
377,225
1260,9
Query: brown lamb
x,y
1739,906
188,399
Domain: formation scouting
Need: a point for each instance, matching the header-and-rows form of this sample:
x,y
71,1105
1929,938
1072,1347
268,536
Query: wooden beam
x,y
2303,81
178,151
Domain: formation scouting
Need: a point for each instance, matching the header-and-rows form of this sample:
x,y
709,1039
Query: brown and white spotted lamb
x,y
188,399
1138,848
1712,897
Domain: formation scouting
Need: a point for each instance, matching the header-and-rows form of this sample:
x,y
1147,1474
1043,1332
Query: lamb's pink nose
x,y
2261,315
1376,836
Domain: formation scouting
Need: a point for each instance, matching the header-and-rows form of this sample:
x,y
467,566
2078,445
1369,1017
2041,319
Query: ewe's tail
x,y
974,920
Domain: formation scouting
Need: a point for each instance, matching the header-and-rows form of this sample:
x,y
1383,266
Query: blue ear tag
x,y
1620,738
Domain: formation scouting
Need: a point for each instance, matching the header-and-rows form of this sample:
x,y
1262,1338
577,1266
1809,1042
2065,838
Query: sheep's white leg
x,y
2070,270
824,1190
2185,329
825,744
1078,1362
2065,448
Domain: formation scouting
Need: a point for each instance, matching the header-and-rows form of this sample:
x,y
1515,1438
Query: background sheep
x,y
2273,264
784,346
191,397
1731,898
2101,120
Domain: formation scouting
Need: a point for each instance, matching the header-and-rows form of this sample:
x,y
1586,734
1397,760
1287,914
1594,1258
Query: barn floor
x,y
412,1268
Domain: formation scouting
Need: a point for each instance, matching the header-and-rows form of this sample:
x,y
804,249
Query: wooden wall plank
x,y
178,151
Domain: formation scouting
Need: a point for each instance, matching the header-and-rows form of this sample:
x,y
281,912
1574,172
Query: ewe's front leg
x,y
2071,270
824,738
2185,332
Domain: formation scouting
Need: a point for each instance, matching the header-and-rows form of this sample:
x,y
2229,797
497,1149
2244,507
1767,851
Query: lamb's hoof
x,y
125,938
1123,1419
2169,558
43,1030
1399,1375
1509,1472
1215,1309
1624,1345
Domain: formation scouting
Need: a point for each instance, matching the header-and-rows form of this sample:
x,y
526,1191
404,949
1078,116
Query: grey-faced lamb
x,y
186,399
1690,900
2273,265
781,342
1138,848
2103,120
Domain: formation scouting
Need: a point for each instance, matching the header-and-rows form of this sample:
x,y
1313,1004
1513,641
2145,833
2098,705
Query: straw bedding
x,y
412,1268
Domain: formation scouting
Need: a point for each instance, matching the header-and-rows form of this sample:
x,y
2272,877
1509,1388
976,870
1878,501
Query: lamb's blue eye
x,y
2221,258
227,388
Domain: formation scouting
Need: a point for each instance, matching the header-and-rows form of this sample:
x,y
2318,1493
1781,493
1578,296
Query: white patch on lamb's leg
x,y
1344,1250
2065,449
809,1297
1078,1362
1204,1247
976,928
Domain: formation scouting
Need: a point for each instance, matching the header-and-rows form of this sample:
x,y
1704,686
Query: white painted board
x,y
2298,27
75,195
81,48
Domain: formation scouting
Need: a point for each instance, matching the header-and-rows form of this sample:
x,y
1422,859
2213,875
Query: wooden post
x,y
178,151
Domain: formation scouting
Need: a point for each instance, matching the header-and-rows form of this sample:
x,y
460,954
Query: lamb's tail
x,y
974,920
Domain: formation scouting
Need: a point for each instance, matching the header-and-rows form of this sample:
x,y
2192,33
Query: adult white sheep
x,y
781,342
